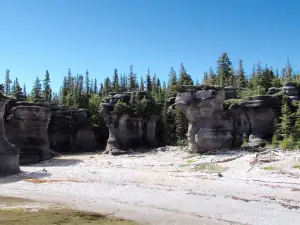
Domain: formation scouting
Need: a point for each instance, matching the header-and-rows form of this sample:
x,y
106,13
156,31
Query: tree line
x,y
80,91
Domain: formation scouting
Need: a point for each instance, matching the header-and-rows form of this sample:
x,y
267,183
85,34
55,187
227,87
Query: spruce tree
x,y
224,69
184,77
7,82
211,76
92,87
181,124
25,92
36,92
64,91
286,120
46,88
288,71
205,79
240,75
148,81
132,82
87,82
142,86
115,82
172,82
95,86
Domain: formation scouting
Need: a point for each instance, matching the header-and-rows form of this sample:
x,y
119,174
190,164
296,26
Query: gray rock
x,y
27,129
9,154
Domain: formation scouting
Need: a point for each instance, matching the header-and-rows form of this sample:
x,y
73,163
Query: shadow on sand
x,y
57,162
23,175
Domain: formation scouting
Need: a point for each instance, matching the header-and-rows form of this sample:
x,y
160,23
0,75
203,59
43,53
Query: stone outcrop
x,y
125,129
261,112
211,126
70,130
36,128
291,90
26,127
9,154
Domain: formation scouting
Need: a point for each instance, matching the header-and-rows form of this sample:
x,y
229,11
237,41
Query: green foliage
x,y
36,92
296,166
181,124
286,120
288,143
122,108
232,102
47,92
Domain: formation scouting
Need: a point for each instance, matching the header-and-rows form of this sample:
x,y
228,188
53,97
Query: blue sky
x,y
100,35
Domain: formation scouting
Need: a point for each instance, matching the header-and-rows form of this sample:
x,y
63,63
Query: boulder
x,y
26,127
9,154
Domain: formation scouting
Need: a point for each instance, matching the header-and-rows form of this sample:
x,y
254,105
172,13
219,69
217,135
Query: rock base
x,y
9,164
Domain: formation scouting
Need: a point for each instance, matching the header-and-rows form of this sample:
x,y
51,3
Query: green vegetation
x,y
211,167
83,91
270,168
13,213
296,166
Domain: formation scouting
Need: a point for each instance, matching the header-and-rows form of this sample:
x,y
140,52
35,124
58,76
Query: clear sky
x,y
100,35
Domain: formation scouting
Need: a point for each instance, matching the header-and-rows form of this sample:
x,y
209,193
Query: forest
x,y
80,91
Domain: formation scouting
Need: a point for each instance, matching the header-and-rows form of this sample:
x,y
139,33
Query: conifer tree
x,y
240,74
25,92
184,77
36,92
172,82
142,86
7,82
205,81
95,86
115,82
148,81
181,124
286,120
92,87
47,92
87,82
224,69
288,71
132,82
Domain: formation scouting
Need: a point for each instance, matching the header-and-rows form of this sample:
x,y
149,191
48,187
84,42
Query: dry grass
x,y
210,167
40,181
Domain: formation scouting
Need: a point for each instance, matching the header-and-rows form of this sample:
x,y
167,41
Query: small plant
x,y
269,168
287,143
190,161
211,167
296,166
182,142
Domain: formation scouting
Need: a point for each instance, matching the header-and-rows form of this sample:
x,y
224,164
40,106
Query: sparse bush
x,y
288,143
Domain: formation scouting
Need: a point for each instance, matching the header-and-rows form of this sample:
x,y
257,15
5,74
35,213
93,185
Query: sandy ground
x,y
168,187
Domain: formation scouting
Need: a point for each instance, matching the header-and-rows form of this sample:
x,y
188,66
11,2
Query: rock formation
x,y
213,127
9,154
26,127
71,131
127,130
261,112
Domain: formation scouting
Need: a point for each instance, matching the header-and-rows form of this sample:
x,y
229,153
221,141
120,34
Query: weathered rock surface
x,y
261,112
125,130
9,154
71,131
26,127
213,127
210,126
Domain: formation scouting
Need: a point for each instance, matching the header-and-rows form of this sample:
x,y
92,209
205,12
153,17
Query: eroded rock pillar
x,y
9,154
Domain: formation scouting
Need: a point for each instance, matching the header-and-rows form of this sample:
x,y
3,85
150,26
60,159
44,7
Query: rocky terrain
x,y
170,186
